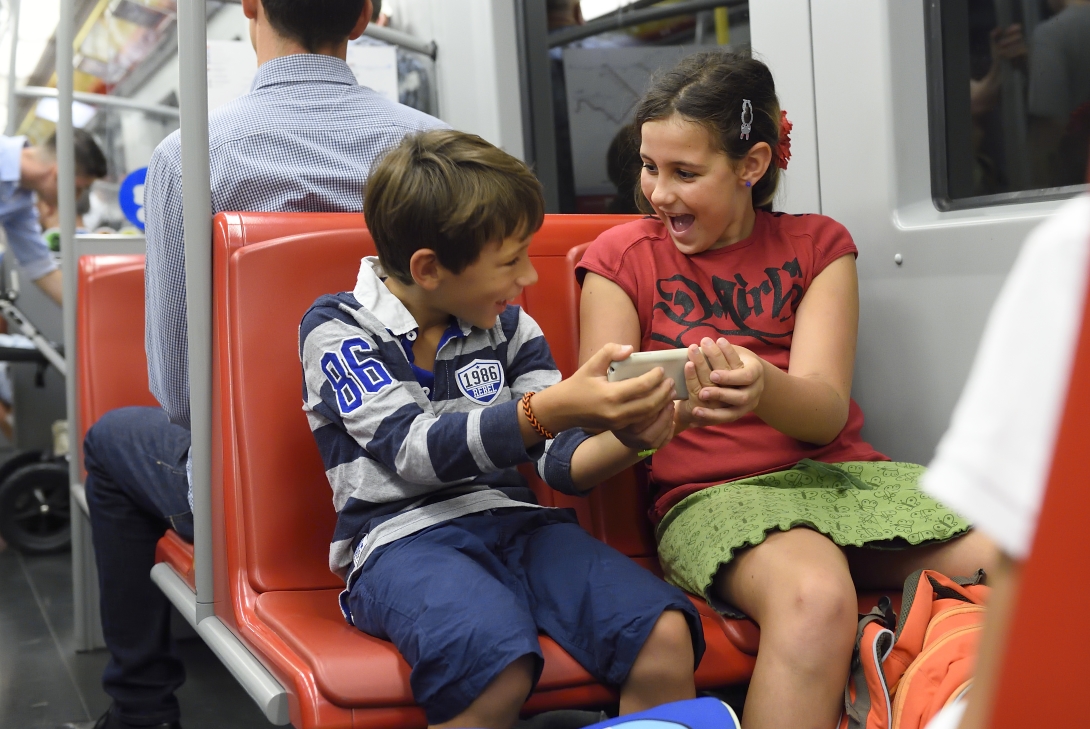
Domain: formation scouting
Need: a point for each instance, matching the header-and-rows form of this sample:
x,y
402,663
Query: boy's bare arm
x,y
604,455
587,400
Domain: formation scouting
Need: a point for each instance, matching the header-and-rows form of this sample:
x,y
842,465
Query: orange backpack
x,y
905,671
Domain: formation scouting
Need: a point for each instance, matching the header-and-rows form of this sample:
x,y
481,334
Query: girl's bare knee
x,y
815,614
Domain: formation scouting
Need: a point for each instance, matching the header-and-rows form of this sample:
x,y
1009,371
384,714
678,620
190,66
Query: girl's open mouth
x,y
681,223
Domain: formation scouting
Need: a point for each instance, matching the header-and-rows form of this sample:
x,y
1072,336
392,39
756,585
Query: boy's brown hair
x,y
451,192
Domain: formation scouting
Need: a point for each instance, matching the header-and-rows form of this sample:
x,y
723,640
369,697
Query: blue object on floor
x,y
705,713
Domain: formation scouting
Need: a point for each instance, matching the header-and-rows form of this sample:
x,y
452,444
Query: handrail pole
x,y
197,220
117,102
13,19
66,207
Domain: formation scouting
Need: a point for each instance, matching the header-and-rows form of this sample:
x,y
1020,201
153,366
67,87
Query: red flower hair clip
x,y
783,147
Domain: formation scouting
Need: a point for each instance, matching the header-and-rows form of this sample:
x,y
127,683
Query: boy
x,y
420,390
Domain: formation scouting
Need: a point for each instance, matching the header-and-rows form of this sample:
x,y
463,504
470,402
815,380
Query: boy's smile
x,y
482,291
477,295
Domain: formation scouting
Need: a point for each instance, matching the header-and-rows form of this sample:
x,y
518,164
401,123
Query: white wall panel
x,y
478,69
920,322
780,36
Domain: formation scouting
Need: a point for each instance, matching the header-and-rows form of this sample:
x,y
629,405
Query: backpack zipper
x,y
899,702
950,613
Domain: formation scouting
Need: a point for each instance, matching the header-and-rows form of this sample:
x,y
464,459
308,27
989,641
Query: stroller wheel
x,y
34,508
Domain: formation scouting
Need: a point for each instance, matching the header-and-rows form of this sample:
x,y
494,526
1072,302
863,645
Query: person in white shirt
x,y
993,464
28,172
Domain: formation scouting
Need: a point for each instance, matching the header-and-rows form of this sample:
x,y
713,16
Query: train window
x,y
1009,94
588,63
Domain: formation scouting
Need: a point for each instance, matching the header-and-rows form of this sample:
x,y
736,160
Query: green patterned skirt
x,y
864,504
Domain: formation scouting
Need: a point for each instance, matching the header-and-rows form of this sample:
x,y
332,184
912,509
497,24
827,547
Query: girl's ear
x,y
755,163
425,269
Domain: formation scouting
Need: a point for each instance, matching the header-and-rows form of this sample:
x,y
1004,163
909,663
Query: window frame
x,y
936,57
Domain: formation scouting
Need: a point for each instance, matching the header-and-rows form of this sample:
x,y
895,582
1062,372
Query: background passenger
x,y
413,383
993,464
302,140
768,491
1059,95
29,171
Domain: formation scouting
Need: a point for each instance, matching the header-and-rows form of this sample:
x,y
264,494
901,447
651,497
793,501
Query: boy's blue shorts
x,y
464,599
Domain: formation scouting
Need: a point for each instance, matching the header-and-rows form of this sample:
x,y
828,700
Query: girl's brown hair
x,y
708,89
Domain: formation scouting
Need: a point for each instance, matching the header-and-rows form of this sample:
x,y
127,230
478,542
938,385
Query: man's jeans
x,y
137,489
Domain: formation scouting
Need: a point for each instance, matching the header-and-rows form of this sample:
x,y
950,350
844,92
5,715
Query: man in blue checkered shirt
x,y
302,140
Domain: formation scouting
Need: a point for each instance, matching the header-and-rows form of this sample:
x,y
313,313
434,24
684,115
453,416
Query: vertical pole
x,y
197,205
84,588
66,206
13,20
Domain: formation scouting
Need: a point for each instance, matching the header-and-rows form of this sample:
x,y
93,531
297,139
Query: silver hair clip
x,y
747,123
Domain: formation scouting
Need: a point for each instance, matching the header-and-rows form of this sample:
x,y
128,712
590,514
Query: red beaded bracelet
x,y
534,423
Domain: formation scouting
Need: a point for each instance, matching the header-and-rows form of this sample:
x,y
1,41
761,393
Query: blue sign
x,y
131,196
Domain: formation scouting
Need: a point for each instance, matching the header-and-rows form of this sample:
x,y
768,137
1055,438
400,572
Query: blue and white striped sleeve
x,y
531,367
364,383
166,339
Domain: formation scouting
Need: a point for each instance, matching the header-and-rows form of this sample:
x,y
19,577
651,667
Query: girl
x,y
768,501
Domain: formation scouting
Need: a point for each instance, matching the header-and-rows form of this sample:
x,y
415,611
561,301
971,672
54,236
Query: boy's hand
x,y
724,382
650,435
588,400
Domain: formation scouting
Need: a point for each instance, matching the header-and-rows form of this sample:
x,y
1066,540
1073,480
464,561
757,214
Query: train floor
x,y
44,682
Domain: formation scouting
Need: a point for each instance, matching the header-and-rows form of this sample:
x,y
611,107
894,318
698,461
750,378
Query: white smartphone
x,y
672,361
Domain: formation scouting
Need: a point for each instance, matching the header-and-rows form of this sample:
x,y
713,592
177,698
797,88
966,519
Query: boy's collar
x,y
373,295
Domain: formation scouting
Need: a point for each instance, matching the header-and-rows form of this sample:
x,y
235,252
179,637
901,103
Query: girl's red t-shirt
x,y
747,292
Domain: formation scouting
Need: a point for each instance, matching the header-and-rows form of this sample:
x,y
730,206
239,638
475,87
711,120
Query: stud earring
x,y
749,184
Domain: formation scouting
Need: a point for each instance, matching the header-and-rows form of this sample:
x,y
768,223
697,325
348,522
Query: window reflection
x,y
1016,95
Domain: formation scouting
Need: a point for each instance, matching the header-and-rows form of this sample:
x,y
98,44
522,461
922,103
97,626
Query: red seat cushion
x,y
177,553
353,669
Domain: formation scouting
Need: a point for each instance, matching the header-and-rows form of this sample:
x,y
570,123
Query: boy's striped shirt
x,y
405,449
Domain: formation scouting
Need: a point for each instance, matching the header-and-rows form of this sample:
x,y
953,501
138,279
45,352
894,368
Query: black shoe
x,y
109,721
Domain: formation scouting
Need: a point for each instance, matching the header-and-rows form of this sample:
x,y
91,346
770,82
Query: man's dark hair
x,y
450,192
90,161
314,24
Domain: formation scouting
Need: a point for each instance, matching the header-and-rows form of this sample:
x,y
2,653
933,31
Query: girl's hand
x,y
724,382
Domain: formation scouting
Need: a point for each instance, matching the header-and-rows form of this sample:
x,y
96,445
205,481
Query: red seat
x,y
273,515
113,368
277,514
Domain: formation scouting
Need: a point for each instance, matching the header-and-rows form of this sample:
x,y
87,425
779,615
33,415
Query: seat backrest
x,y
112,366
284,514
616,511
1042,658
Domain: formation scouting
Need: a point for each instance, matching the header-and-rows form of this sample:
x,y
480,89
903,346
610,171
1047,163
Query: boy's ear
x,y
756,162
425,269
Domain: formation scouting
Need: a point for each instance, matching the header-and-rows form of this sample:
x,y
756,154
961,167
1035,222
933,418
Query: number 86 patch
x,y
351,373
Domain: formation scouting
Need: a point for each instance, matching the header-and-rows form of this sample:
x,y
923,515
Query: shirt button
x,y
427,390
411,336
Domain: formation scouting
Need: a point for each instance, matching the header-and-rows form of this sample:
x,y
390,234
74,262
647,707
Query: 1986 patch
x,y
481,380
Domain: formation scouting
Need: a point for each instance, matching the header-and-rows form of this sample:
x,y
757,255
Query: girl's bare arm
x,y
606,314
